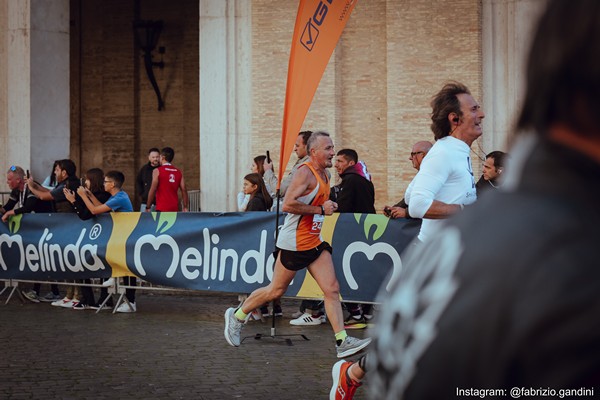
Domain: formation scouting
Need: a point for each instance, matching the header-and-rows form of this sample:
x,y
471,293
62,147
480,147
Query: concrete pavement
x,y
172,348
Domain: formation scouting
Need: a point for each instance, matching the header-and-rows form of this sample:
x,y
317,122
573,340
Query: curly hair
x,y
444,103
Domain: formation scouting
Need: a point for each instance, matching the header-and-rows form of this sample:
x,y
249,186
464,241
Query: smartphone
x,y
27,174
268,157
82,182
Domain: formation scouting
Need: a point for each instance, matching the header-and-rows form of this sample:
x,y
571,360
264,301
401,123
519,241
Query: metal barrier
x,y
194,197
13,286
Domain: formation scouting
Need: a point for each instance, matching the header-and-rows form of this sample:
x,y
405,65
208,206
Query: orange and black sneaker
x,y
343,387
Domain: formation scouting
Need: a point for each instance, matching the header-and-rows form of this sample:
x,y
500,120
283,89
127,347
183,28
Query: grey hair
x,y
313,138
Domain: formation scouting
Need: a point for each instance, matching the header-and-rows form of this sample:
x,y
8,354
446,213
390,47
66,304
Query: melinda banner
x,y
227,252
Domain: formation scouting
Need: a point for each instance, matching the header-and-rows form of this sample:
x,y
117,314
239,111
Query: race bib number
x,y
317,224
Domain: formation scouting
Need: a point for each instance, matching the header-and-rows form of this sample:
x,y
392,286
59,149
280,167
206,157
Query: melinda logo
x,y
253,266
311,32
50,255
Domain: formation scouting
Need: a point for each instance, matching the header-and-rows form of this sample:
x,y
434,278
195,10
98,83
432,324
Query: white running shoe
x,y
109,282
124,307
59,303
69,304
306,319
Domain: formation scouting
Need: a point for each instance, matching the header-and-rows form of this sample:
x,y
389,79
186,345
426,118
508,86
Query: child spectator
x,y
118,202
260,200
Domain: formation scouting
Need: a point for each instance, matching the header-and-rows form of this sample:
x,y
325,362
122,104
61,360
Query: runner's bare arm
x,y
302,184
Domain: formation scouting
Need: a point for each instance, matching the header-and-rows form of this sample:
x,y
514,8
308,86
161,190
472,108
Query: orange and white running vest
x,y
303,232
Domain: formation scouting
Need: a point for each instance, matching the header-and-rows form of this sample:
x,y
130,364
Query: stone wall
x,y
374,96
393,56
114,115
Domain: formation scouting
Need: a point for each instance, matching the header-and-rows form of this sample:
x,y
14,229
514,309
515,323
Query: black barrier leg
x,y
274,334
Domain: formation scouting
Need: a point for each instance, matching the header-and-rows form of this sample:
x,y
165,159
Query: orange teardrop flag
x,y
319,25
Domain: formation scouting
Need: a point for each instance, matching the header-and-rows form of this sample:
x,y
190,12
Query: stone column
x,y
225,100
50,95
507,30
15,107
34,82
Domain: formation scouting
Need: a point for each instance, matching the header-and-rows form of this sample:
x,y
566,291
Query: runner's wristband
x,y
322,210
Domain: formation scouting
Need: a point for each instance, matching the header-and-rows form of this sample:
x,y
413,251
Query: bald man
x,y
419,151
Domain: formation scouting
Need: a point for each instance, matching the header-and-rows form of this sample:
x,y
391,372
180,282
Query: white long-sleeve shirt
x,y
446,175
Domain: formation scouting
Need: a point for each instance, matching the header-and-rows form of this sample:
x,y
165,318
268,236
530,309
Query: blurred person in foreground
x,y
514,307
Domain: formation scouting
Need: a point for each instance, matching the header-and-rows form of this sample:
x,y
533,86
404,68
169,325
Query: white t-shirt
x,y
446,175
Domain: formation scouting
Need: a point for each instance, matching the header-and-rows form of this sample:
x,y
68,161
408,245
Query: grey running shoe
x,y
50,297
351,346
31,296
233,327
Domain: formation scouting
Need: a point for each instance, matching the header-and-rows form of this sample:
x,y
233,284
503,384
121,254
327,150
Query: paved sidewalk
x,y
172,348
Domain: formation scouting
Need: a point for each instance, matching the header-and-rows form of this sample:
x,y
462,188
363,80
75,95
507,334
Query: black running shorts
x,y
297,260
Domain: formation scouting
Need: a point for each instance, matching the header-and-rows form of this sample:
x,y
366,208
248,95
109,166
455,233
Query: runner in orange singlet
x,y
300,245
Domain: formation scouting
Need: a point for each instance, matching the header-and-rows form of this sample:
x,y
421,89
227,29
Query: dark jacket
x,y
482,186
356,193
257,203
30,203
61,204
81,209
143,181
